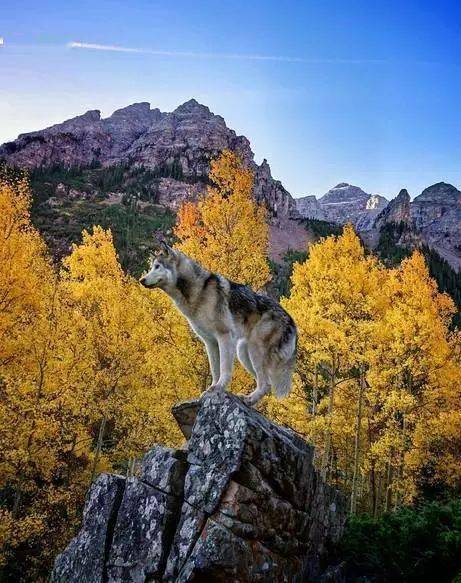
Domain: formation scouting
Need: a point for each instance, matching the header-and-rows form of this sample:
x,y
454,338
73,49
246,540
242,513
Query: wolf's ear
x,y
160,247
156,246
168,251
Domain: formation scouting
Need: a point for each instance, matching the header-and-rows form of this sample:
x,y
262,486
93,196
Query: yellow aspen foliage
x,y
333,300
227,231
91,368
24,267
378,374
36,430
412,373
91,364
129,335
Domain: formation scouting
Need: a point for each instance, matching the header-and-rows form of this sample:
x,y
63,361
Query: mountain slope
x,y
177,146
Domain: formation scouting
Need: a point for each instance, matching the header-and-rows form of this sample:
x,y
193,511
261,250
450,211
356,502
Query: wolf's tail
x,y
282,375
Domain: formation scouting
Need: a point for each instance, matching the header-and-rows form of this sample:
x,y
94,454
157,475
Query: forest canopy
x,y
91,363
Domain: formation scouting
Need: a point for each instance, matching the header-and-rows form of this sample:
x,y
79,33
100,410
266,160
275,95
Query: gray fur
x,y
231,320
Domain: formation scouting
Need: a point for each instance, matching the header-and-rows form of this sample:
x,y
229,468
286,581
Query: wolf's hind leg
x,y
257,356
244,357
226,343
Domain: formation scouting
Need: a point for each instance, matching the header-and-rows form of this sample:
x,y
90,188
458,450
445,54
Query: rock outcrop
x,y
241,503
189,137
433,218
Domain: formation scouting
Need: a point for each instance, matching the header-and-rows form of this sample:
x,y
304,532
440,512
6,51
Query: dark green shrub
x,y
409,545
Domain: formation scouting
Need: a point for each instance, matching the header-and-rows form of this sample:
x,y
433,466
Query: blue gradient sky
x,y
361,92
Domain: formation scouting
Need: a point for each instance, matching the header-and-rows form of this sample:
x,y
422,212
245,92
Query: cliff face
x,y
241,503
310,208
436,214
397,211
188,137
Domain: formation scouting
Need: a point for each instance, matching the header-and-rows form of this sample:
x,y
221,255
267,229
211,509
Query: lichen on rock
x,y
242,502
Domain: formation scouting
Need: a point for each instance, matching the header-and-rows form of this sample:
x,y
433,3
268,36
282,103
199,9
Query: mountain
x,y
342,204
436,214
177,146
133,169
433,219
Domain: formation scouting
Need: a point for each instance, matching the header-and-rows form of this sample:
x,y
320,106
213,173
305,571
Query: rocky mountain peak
x,y
439,193
88,118
182,143
344,192
193,107
397,211
133,110
403,194
91,116
342,204
436,214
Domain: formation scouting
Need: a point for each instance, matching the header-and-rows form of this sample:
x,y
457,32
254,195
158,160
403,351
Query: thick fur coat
x,y
231,320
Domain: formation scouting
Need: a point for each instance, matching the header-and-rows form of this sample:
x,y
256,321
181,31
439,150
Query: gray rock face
x,y
190,136
346,203
242,503
343,204
397,211
436,213
433,218
310,208
85,558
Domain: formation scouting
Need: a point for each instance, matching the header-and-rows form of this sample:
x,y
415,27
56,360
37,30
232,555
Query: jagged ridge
x,y
190,137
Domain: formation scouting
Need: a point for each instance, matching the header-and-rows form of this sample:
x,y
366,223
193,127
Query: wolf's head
x,y
164,269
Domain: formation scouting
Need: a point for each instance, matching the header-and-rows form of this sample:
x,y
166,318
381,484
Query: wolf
x,y
230,319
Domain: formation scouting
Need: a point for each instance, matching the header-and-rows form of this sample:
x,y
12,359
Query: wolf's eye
x,y
157,266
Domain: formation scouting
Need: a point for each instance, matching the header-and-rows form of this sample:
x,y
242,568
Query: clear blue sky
x,y
363,92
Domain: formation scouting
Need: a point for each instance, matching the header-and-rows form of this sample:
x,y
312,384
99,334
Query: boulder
x,y
241,502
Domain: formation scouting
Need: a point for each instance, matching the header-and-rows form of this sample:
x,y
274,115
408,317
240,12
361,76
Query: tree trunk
x,y
401,468
315,390
378,495
326,452
357,444
372,488
99,443
388,499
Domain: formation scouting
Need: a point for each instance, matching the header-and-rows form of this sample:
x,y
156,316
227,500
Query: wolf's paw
x,y
247,399
212,389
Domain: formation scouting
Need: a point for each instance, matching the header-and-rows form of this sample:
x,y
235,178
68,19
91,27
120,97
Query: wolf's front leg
x,y
226,344
212,350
